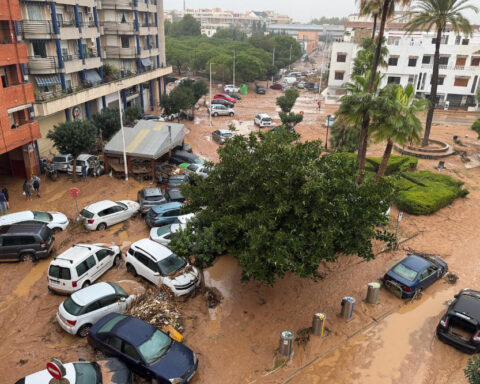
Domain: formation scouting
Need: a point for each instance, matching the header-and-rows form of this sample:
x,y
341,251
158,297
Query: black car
x,y
460,326
180,157
226,103
174,194
25,242
170,79
234,95
260,90
148,116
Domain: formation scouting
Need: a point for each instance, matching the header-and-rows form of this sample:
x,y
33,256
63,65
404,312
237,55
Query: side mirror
x,y
123,299
156,274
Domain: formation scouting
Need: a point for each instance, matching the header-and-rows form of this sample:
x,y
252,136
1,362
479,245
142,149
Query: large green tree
x,y
440,15
74,137
278,206
177,54
472,372
107,122
364,59
187,26
180,98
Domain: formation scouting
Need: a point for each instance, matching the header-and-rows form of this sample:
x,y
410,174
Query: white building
x,y
410,61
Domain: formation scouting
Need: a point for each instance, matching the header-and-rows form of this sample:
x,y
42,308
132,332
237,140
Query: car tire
x,y
101,227
86,284
83,331
29,257
131,269
115,260
215,114
231,114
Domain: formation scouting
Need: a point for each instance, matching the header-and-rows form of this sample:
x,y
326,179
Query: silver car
x,y
60,162
221,110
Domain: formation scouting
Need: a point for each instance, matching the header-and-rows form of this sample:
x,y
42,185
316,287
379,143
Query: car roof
x,y
21,228
468,305
100,206
12,218
184,219
152,191
84,156
75,252
263,115
154,249
173,177
92,293
416,263
224,131
133,330
175,193
166,206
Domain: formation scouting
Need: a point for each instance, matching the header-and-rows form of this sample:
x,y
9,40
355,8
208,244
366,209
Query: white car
x,y
56,221
263,120
85,307
99,216
161,235
160,265
231,88
80,265
199,169
93,165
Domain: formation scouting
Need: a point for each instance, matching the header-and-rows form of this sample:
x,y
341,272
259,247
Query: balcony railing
x,y
71,57
38,65
117,4
112,27
88,24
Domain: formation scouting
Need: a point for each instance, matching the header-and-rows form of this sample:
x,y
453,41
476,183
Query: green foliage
x,y
187,26
287,101
230,33
107,122
277,206
200,89
290,119
476,127
344,137
180,98
133,113
365,56
396,164
472,372
282,50
178,54
425,192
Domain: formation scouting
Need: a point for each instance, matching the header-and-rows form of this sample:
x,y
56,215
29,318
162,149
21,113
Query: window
x,y
123,18
93,307
412,61
475,62
81,269
34,12
393,79
141,258
393,61
102,254
426,59
130,351
443,60
90,262
457,40
393,40
441,79
39,48
443,40
115,342
411,79
461,81
474,85
465,41
25,240
339,75
125,41
109,300
341,57
11,240
59,272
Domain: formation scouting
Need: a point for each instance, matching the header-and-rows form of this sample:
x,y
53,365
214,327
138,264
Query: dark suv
x,y
180,157
460,326
25,242
149,197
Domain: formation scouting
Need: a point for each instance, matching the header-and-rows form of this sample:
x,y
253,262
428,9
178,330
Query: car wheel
x,y
131,270
28,257
230,114
115,260
83,331
101,227
86,284
215,114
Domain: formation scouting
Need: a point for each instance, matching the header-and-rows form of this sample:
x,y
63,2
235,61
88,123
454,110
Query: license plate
x,y
394,288
54,281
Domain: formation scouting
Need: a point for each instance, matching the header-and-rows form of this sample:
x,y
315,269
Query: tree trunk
x,y
381,32
362,150
74,170
433,89
375,16
179,69
386,156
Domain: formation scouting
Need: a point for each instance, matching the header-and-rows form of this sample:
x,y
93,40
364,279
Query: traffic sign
x,y
75,192
301,112
56,369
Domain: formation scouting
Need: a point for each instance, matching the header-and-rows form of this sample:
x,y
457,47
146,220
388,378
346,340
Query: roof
x,y
263,115
152,192
184,219
75,252
154,249
148,139
84,156
12,218
416,263
222,131
133,330
468,305
92,293
20,227
100,206
166,207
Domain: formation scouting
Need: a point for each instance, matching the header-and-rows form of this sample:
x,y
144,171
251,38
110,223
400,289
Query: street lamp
x,y
326,136
123,132
210,94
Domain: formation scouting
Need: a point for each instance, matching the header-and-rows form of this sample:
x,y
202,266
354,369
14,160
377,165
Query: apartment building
x,y
410,61
18,145
81,53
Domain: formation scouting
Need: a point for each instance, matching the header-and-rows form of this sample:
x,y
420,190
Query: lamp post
x,y
233,69
123,132
326,136
210,94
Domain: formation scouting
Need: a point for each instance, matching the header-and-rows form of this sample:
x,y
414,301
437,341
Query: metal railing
x,y
114,27
38,63
71,57
88,24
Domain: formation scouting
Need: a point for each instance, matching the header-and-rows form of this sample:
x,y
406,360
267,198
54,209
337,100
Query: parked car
x,y
147,351
282,128
180,157
162,235
85,307
234,95
414,274
25,242
60,162
277,86
198,169
94,167
231,88
226,103
174,181
263,120
180,81
80,265
329,120
159,265
301,84
99,216
460,326
152,117
186,147
221,110
187,115
225,96
104,371
260,90
148,197
56,221
221,135
174,195
170,79
163,214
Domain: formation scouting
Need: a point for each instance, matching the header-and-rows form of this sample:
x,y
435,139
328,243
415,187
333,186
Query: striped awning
x,y
46,81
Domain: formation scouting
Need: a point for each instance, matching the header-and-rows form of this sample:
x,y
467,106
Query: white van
x,y
263,120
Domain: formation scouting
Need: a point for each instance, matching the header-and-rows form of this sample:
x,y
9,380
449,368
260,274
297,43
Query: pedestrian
x,y
5,192
36,185
319,105
27,190
3,203
84,172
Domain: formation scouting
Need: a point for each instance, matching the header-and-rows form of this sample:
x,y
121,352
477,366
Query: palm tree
x,y
439,14
395,119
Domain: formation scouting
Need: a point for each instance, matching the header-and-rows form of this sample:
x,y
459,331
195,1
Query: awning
x,y
147,62
46,81
92,76
19,108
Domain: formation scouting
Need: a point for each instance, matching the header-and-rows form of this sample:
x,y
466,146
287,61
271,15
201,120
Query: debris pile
x,y
213,296
451,278
157,307
303,336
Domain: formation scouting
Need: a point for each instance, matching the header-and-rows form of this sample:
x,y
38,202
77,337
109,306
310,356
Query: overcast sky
x,y
298,10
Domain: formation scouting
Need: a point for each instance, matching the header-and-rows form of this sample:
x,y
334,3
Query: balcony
x,y
144,53
117,4
38,29
18,94
26,132
42,65
89,30
120,53
114,28
72,63
67,30
81,3
12,53
146,30
141,6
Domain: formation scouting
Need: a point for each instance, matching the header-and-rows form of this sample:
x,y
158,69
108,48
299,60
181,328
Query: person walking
x,y
84,172
319,105
3,203
27,190
5,192
36,185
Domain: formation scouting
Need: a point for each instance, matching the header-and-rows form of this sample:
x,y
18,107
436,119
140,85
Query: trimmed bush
x,y
476,127
395,164
425,192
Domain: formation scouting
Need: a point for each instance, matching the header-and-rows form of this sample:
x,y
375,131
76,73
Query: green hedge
x,y
476,127
425,192
395,164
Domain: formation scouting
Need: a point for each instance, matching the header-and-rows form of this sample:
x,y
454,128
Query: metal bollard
x,y
286,344
372,292
318,324
347,307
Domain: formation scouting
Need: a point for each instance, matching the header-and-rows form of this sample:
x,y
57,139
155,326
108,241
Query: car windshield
x,y
227,134
153,198
267,119
405,272
155,347
193,167
118,289
163,230
122,205
86,373
42,216
86,214
199,160
59,159
171,264
72,307
59,272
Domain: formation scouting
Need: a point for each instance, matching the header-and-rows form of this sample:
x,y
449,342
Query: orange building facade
x,y
308,40
18,131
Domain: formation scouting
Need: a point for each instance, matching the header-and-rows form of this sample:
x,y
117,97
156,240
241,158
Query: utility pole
x,y
290,61
273,60
234,69
210,94
123,132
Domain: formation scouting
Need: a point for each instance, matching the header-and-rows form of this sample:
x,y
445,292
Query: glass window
x,y
129,350
341,57
118,289
171,264
123,206
90,262
392,61
339,75
11,240
81,269
393,79
102,254
25,240
405,272
72,307
59,272
412,62
440,81
426,59
443,60
125,41
108,326
109,300
34,12
86,214
86,373
93,306
163,230
42,216
39,48
115,342
155,347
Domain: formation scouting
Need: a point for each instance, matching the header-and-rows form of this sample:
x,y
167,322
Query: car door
x,y
92,313
9,247
105,259
107,305
105,216
141,266
153,271
115,215
428,276
133,359
93,268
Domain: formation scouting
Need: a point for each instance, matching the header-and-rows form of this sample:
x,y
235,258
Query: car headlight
x,y
176,380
